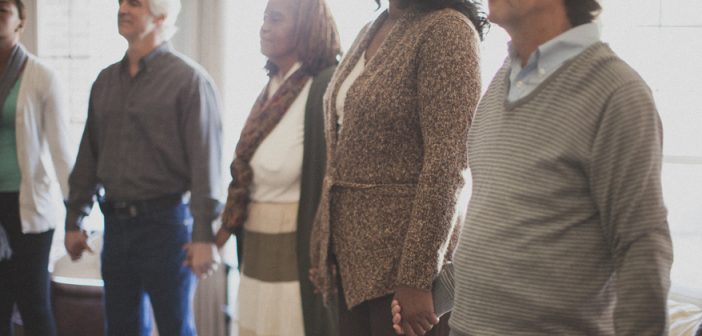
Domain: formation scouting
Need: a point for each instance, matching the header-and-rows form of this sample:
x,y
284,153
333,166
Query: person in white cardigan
x,y
35,160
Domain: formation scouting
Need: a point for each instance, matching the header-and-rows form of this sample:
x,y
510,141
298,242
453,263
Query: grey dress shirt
x,y
151,135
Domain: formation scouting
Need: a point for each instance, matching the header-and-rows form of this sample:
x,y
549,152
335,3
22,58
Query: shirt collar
x,y
147,59
556,51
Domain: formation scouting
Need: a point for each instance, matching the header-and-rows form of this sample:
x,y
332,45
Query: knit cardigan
x,y
388,214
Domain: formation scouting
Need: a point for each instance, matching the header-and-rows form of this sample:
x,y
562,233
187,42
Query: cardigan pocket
x,y
370,219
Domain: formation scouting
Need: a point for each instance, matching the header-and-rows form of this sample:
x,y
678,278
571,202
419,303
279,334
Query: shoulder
x,y
445,29
602,66
443,22
181,65
40,72
106,75
606,78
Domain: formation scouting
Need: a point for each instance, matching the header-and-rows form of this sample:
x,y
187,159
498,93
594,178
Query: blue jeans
x,y
143,257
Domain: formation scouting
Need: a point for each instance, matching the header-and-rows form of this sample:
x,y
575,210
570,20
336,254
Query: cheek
x,y
286,36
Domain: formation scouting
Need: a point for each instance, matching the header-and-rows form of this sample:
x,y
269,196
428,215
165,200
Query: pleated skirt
x,y
269,291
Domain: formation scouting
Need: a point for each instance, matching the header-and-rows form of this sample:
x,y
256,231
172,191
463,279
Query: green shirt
x,y
10,175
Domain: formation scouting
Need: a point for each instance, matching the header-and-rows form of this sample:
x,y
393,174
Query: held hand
x,y
76,242
222,237
202,258
396,311
418,315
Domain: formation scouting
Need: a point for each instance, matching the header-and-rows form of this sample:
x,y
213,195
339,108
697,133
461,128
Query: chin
x,y
265,52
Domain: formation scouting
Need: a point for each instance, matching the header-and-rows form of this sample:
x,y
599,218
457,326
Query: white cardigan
x,y
44,152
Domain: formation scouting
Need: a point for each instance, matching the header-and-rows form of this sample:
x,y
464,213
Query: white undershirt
x,y
346,85
277,163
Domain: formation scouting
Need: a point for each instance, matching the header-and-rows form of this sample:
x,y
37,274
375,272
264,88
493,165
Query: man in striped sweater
x,y
566,231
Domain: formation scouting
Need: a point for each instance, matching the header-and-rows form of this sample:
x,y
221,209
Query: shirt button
x,y
520,84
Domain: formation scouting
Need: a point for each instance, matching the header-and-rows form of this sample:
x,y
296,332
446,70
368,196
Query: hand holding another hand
x,y
203,258
413,311
76,242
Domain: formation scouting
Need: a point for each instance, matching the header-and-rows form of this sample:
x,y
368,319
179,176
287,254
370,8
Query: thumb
x,y
87,247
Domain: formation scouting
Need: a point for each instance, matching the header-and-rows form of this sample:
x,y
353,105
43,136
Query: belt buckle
x,y
133,210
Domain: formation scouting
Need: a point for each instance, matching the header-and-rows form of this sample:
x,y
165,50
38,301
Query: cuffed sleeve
x,y
83,181
203,145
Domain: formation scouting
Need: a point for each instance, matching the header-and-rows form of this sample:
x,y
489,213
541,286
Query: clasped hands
x,y
413,311
202,257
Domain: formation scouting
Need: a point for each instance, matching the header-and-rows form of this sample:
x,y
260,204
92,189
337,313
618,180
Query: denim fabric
x,y
142,258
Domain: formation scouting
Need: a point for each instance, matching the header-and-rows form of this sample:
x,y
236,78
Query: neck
x,y
140,47
284,64
528,34
395,11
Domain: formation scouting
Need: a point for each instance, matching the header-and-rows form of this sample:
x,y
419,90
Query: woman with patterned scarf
x,y
277,174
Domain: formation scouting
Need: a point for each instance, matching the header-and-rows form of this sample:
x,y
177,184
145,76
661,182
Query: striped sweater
x,y
566,231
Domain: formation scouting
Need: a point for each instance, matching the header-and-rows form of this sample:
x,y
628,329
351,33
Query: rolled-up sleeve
x,y
83,181
203,145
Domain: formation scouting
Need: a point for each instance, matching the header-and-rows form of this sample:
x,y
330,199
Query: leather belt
x,y
140,207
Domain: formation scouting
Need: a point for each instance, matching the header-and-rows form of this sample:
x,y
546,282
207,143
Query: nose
x,y
265,27
122,7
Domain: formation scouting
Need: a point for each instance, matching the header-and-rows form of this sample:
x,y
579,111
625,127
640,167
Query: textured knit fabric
x,y
566,231
389,202
153,134
356,71
10,175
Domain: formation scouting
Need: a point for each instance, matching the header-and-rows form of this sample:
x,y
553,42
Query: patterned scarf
x,y
264,116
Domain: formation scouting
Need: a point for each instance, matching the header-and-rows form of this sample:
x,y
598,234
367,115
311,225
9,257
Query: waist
x,y
140,207
383,188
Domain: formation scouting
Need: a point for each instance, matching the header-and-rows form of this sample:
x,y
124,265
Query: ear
x,y
158,20
20,26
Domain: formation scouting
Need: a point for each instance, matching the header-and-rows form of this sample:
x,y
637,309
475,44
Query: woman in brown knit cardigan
x,y
397,113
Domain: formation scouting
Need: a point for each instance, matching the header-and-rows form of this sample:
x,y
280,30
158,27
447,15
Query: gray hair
x,y
169,9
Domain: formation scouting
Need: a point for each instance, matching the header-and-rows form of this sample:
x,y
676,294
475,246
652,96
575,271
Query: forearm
x,y
642,282
205,212
204,148
626,186
448,87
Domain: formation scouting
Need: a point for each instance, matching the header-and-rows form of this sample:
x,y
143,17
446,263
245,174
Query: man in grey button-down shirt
x,y
153,136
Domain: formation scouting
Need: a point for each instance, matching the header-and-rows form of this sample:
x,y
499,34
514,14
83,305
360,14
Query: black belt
x,y
136,208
